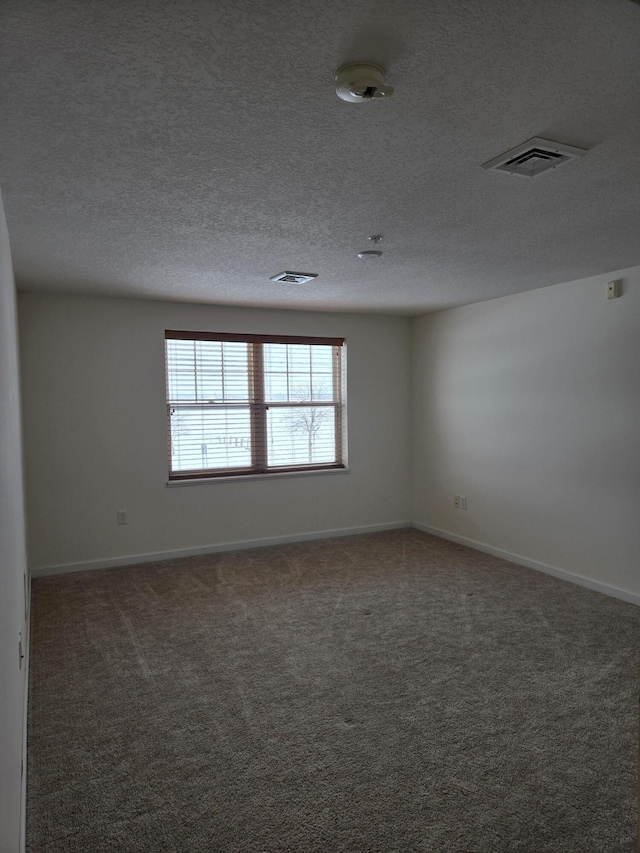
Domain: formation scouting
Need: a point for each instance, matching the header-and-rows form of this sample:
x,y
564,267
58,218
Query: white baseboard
x,y
563,574
133,559
25,718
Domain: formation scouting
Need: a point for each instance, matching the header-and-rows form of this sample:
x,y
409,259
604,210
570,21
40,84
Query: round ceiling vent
x,y
358,82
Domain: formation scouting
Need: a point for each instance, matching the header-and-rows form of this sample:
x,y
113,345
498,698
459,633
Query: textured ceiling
x,y
191,150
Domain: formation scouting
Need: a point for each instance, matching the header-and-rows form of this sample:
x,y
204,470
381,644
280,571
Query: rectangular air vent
x,y
294,277
534,157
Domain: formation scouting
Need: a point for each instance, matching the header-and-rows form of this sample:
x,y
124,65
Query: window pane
x,y
235,371
275,357
321,358
301,435
309,369
236,387
299,356
322,373
209,438
276,384
181,376
323,388
299,387
276,387
209,382
207,371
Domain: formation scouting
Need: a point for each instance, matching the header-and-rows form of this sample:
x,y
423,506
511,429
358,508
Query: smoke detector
x,y
372,253
358,82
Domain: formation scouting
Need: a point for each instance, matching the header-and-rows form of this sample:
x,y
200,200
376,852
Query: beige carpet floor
x,y
387,692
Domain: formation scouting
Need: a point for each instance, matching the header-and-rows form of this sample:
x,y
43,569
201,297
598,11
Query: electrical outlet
x,y
456,501
613,289
122,516
463,502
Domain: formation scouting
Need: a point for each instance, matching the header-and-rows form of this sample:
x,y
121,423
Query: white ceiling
x,y
190,150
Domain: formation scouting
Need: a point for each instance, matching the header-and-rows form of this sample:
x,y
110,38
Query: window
x,y
253,404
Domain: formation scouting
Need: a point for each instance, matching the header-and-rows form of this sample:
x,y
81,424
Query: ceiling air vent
x,y
534,157
294,277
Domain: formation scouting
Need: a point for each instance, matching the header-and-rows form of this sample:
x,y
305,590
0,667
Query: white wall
x,y
95,432
12,562
530,406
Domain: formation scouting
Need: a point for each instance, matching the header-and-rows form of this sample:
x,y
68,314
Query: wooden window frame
x,y
258,405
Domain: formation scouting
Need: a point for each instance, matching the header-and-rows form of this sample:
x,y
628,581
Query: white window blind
x,y
253,404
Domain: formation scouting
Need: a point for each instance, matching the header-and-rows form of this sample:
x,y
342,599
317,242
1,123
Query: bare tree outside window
x,y
309,420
